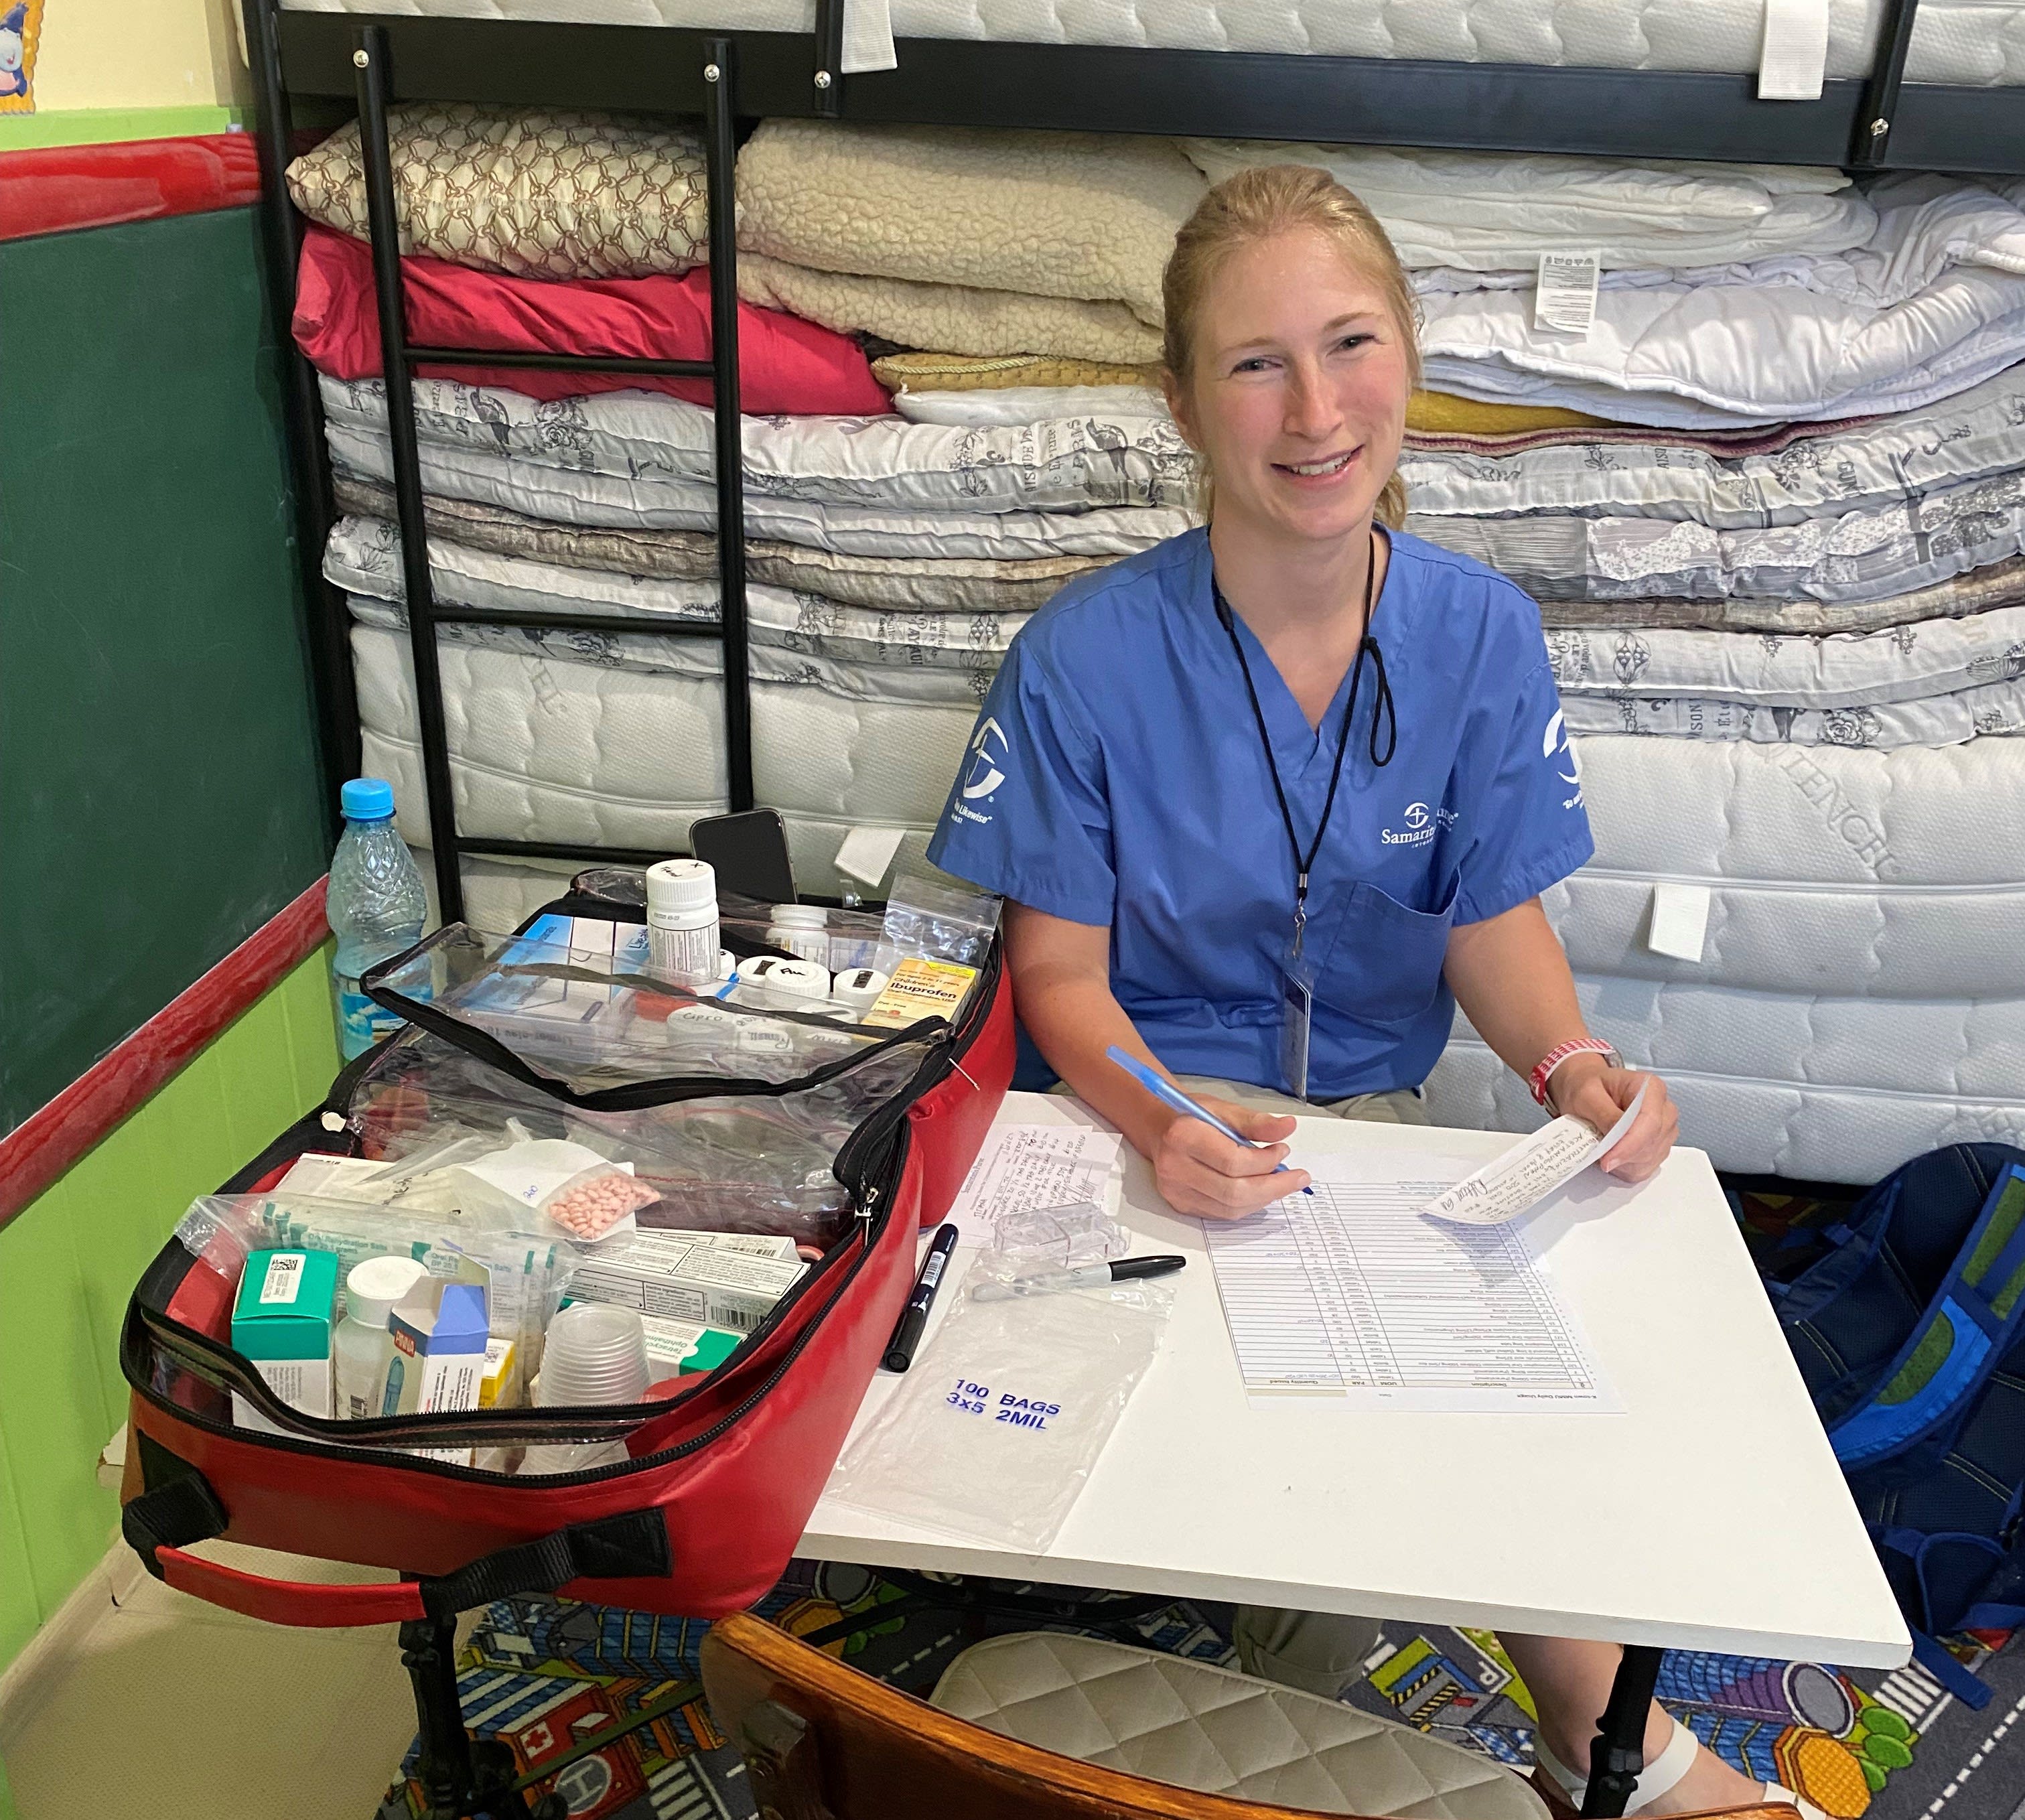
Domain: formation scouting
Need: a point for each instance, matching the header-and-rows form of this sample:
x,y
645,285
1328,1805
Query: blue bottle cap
x,y
366,800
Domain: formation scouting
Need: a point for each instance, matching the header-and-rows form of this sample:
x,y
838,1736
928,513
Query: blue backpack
x,y
1909,1327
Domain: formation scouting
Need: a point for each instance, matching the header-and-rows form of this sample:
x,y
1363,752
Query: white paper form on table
x,y
1023,1167
1350,1295
1532,1169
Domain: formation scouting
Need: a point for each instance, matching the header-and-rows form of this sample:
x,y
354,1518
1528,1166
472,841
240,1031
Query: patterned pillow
x,y
538,194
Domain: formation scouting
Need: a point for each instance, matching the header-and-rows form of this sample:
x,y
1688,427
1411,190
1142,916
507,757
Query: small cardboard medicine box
x,y
648,1273
281,1322
439,1335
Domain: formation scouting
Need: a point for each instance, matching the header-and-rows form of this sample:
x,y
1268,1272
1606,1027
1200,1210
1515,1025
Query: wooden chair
x,y
822,1741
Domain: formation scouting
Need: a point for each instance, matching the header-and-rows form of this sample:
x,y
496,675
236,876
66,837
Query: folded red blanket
x,y
785,364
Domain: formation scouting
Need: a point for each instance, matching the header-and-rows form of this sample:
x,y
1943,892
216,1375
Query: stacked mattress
x,y
1788,622
1979,42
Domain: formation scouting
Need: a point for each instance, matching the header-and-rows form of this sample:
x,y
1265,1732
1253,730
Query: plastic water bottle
x,y
376,907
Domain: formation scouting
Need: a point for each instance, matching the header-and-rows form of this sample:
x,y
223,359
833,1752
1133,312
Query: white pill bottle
x,y
681,921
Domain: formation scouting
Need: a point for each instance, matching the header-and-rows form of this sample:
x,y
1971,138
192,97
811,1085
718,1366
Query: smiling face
x,y
1297,387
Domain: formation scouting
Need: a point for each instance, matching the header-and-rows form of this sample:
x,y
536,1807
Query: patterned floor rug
x,y
545,1676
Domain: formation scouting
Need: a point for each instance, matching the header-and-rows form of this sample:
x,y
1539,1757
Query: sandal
x,y
1565,1789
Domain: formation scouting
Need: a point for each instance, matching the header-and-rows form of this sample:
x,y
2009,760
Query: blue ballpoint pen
x,y
1165,1090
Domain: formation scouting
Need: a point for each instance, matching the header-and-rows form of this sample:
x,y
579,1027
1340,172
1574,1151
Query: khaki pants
x,y
1317,1651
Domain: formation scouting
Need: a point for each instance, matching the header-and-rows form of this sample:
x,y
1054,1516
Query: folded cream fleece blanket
x,y
1087,216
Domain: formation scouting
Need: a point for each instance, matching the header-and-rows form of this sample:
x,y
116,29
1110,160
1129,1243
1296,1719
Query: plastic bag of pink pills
x,y
598,1201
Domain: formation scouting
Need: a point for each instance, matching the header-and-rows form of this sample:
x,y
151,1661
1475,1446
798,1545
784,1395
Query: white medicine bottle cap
x,y
682,884
376,1285
801,916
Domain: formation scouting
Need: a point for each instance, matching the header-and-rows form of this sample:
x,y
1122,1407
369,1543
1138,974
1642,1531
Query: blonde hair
x,y
1259,205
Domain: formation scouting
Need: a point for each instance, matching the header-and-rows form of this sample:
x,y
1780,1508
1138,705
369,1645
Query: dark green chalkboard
x,y
160,797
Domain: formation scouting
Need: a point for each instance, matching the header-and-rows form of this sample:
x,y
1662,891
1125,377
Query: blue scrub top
x,y
1116,778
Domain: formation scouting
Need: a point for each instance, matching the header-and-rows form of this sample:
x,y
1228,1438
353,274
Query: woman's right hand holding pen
x,y
1201,1171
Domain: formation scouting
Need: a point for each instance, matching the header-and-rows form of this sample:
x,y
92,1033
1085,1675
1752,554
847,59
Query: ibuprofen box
x,y
281,1321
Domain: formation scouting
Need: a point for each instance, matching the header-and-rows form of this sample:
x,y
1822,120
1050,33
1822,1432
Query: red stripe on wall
x,y
54,189
39,1149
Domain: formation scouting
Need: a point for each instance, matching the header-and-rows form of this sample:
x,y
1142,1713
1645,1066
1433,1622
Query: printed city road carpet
x,y
546,1676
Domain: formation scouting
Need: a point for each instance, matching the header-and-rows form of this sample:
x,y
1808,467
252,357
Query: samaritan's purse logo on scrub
x,y
988,749
1555,746
1422,825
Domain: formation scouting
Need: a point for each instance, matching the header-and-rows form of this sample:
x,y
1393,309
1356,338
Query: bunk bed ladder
x,y
334,691
373,61
830,60
1880,92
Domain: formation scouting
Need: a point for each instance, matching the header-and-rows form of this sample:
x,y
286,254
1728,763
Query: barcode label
x,y
284,1280
1566,297
738,1320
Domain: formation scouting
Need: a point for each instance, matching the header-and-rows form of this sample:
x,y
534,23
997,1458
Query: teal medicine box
x,y
282,1321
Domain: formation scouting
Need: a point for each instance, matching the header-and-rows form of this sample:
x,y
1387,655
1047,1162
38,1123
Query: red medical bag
x,y
703,1518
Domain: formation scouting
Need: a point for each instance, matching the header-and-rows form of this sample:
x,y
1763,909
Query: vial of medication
x,y
365,1345
681,921
802,929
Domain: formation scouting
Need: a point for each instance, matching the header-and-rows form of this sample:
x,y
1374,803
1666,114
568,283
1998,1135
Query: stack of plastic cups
x,y
593,1355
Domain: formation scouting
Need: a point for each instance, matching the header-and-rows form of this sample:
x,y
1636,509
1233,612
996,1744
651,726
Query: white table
x,y
1709,1516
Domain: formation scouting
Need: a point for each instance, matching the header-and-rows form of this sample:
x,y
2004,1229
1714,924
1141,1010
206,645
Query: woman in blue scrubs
x,y
1270,799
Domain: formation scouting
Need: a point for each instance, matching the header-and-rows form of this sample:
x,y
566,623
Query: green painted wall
x,y
106,126
70,1258
160,797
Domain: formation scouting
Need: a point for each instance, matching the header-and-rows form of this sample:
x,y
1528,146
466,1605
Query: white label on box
x,y
1680,921
284,1280
1565,298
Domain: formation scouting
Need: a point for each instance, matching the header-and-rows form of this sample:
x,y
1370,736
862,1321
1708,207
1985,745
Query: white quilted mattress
x,y
1861,994
1975,42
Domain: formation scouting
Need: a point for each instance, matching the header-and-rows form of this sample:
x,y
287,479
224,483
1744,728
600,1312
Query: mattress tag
x,y
867,852
1565,298
1794,59
868,37
1680,921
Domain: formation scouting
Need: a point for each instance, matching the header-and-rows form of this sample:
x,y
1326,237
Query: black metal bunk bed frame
x,y
1876,123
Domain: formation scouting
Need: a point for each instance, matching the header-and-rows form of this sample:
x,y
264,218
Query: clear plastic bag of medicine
x,y
936,919
995,1432
1051,1238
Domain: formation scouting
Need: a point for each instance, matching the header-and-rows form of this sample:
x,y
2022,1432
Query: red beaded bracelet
x,y
1543,1070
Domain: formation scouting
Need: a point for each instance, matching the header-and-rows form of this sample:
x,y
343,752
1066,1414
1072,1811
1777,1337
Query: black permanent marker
x,y
914,1317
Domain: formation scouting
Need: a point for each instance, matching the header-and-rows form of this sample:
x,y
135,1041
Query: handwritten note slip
x,y
1532,1169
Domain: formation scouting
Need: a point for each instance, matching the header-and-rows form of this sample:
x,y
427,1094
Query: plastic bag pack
x,y
994,1432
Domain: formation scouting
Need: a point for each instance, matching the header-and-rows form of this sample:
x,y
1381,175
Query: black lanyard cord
x,y
1382,708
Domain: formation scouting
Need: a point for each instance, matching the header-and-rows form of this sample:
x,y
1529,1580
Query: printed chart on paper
x,y
1349,1292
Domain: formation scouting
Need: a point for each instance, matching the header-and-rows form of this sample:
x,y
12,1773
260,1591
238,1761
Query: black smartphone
x,y
749,852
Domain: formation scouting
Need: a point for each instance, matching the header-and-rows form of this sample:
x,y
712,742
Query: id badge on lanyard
x,y
1297,1003
1297,973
